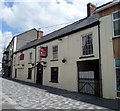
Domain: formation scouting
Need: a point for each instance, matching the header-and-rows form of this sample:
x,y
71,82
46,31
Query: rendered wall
x,y
70,48
107,56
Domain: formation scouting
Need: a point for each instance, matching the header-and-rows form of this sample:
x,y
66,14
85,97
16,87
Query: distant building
x,y
16,43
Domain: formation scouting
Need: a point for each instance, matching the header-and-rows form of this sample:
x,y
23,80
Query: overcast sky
x,y
18,17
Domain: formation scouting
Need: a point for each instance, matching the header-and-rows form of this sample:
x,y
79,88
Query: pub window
x,y
54,74
29,73
117,61
22,57
55,52
116,23
30,57
87,44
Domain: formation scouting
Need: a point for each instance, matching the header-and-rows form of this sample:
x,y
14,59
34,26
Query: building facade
x,y
109,17
81,57
15,44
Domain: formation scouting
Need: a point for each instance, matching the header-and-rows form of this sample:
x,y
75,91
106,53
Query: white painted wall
x,y
70,48
22,72
107,56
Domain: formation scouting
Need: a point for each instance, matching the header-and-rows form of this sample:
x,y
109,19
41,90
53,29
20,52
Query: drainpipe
x,y
35,66
100,70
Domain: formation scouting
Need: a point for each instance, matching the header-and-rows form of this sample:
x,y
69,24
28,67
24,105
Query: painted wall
x,y
107,56
22,71
70,48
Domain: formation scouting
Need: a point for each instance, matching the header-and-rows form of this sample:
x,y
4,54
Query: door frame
x,y
96,81
39,75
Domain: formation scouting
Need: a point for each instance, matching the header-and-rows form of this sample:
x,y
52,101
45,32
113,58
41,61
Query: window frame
x,y
53,75
30,57
54,53
117,68
22,56
113,23
90,54
29,73
14,61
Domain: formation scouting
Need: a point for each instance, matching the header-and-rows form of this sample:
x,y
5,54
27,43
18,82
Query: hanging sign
x,y
43,52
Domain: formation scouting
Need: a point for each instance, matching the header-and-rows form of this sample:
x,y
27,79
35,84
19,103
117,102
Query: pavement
x,y
18,95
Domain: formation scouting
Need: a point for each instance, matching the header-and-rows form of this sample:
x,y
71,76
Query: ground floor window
x,y
29,73
117,61
54,74
15,73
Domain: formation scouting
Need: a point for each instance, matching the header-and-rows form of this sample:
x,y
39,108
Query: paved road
x,y
21,95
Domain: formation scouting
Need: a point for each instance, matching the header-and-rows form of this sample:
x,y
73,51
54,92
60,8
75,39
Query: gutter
x,y
108,6
35,66
100,69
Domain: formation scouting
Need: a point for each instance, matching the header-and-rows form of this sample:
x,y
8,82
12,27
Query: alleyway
x,y
22,95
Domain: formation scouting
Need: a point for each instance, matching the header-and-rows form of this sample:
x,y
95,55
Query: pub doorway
x,y
39,77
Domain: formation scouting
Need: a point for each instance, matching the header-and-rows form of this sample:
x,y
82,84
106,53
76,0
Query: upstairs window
x,y
18,60
30,57
14,61
116,23
55,52
22,57
87,44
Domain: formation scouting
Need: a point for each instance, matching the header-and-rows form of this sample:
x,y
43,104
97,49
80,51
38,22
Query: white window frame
x,y
30,56
116,75
14,60
18,59
54,53
113,23
83,45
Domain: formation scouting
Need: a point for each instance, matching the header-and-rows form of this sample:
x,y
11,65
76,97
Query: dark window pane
x,y
87,45
116,27
29,73
118,79
117,61
54,74
116,15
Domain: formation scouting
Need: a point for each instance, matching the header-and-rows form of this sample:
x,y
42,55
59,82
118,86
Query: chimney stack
x,y
90,9
39,34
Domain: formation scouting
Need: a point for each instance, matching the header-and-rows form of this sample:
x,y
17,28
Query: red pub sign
x,y
43,52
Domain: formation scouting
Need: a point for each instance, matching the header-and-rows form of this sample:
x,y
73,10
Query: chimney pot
x,y
90,9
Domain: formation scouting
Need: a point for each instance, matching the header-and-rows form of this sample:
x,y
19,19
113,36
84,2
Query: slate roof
x,y
72,28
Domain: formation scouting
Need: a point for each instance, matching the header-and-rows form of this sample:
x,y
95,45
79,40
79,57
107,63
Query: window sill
x,y
118,36
28,78
30,63
54,81
54,60
86,56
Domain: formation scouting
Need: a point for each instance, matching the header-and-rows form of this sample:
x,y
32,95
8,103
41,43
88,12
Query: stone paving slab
x,y
32,96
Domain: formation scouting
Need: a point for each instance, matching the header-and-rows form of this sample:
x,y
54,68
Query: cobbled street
x,y
20,95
